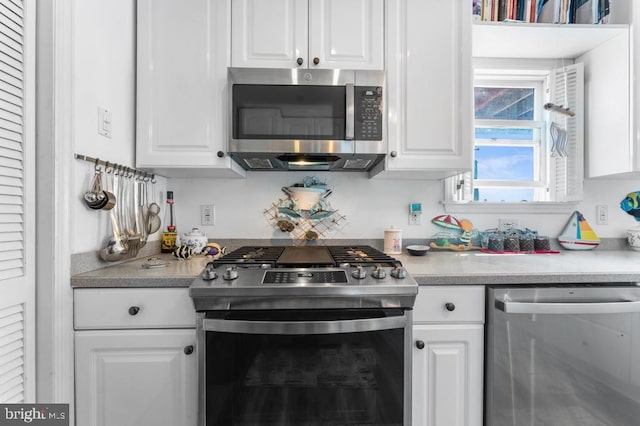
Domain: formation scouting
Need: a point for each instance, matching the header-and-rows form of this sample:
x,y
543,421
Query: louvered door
x,y
567,89
17,172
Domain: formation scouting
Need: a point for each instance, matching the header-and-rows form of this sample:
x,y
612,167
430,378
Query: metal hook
x,y
97,167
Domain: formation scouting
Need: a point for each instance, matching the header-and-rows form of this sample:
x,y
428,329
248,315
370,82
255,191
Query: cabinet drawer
x,y
133,308
449,304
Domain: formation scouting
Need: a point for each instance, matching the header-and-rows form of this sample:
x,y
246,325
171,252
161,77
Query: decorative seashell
x,y
182,252
285,225
311,235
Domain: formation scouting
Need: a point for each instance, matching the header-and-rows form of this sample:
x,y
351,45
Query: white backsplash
x,y
370,205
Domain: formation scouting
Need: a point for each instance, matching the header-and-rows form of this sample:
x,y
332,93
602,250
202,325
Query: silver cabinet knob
x,y
394,154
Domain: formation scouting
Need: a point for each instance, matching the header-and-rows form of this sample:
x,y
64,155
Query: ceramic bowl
x,y
633,237
417,250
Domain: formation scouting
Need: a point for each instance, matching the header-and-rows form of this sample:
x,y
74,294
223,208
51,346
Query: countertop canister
x,y
393,241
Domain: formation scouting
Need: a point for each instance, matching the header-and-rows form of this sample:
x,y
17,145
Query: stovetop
x,y
305,257
317,277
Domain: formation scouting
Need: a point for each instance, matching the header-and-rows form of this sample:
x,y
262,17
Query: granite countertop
x,y
436,268
177,273
597,266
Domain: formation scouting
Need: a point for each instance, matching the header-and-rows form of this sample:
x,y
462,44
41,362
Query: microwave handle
x,y
350,112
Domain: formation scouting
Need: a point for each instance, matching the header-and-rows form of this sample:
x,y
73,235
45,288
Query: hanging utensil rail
x,y
123,169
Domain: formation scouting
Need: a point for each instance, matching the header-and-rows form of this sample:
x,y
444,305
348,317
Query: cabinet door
x,y
429,88
447,375
182,104
132,378
346,34
269,33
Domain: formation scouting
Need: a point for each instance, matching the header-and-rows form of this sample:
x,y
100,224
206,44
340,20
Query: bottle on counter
x,y
170,235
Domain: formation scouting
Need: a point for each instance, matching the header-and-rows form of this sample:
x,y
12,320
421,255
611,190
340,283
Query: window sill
x,y
504,207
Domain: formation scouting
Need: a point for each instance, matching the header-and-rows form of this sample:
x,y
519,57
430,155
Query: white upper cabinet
x,y
182,104
340,34
429,88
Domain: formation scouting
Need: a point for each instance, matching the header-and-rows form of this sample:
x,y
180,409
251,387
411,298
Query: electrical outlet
x,y
507,223
415,219
602,214
207,215
415,214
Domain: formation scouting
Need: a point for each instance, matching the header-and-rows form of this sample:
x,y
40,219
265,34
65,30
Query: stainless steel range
x,y
304,336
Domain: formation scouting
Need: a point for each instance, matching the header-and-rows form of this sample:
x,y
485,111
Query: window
x,y
516,141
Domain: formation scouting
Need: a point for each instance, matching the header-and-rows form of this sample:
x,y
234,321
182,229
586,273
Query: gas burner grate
x,y
361,255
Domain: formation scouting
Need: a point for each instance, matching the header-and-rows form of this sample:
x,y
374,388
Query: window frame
x,y
458,194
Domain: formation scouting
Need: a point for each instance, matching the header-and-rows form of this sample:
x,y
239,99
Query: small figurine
x,y
631,204
213,250
183,252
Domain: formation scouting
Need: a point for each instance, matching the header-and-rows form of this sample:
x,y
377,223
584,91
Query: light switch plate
x,y
207,215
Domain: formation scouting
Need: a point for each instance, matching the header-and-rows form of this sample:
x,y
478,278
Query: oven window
x,y
288,112
326,379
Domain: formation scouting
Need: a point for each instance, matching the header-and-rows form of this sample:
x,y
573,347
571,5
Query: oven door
x,y
347,367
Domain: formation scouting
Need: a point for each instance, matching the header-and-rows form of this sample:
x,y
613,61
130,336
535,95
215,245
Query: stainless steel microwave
x,y
293,119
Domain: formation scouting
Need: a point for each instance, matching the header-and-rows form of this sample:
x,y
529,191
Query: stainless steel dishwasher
x,y
563,355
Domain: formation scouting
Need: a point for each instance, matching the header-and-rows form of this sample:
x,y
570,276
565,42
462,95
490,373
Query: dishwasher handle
x,y
559,308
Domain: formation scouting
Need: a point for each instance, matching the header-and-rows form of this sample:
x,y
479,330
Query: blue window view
x,y
501,161
504,163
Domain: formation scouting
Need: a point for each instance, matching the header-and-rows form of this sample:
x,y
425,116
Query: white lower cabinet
x,y
127,376
448,335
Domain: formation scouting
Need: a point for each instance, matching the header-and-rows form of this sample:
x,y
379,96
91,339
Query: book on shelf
x,y
544,11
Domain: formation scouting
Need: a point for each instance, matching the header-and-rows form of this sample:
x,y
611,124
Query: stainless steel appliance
x,y
304,336
294,119
563,355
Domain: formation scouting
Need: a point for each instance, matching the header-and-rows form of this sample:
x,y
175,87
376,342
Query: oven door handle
x,y
304,327
568,308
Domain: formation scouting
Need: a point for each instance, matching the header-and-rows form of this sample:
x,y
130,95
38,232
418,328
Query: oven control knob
x,y
398,272
230,274
265,266
359,273
209,273
378,272
344,265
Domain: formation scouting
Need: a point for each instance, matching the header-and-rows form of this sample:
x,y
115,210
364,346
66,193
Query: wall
x,y
103,75
370,205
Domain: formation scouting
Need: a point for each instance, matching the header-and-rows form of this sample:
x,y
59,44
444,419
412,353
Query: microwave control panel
x,y
368,114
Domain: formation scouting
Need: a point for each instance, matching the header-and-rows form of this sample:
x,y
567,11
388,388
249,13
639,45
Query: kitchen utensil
x,y
153,220
117,247
418,250
553,131
96,198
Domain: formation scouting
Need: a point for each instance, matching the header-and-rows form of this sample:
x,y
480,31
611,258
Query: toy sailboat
x,y
578,235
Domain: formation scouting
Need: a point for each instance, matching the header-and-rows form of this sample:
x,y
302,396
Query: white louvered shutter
x,y
567,173
17,206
